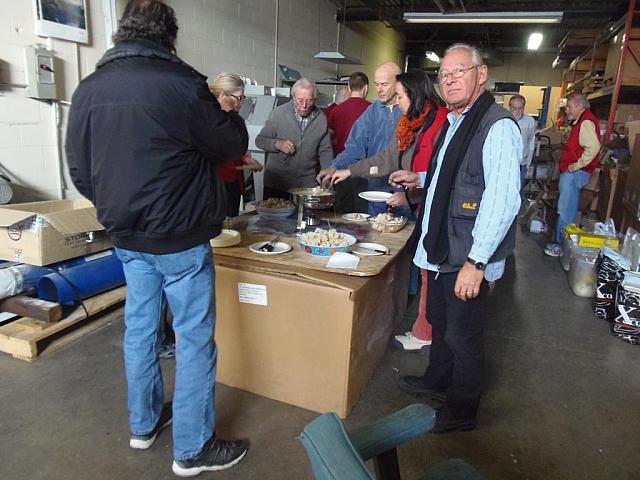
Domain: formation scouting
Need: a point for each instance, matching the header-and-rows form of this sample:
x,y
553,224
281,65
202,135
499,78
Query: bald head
x,y
385,82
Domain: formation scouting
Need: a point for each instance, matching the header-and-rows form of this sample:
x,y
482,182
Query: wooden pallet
x,y
30,338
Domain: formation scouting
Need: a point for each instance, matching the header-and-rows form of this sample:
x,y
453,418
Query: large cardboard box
x,y
41,233
556,136
588,200
612,185
631,131
626,113
631,71
307,338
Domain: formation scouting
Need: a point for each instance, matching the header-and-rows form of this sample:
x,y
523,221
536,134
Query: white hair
x,y
304,83
476,56
579,99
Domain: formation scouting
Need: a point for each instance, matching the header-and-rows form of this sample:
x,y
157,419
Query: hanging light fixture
x,y
535,40
433,56
483,17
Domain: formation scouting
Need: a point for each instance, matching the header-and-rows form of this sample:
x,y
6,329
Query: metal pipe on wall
x,y
275,53
57,118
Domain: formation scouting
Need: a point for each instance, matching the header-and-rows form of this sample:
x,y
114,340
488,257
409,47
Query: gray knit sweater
x,y
313,148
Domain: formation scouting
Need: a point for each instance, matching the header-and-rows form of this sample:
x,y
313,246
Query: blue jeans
x,y
569,201
187,280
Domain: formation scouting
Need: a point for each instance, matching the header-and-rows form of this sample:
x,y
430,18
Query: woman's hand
x,y
398,198
252,163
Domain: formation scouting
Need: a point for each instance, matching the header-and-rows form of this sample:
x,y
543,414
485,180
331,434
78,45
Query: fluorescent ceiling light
x,y
535,40
483,17
337,57
433,56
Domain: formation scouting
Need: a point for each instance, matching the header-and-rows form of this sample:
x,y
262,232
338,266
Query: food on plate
x,y
325,238
360,216
387,222
276,203
267,247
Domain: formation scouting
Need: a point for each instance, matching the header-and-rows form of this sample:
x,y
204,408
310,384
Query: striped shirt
x,y
500,202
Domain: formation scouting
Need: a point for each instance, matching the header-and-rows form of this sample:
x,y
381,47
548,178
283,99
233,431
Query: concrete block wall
x,y
29,154
214,36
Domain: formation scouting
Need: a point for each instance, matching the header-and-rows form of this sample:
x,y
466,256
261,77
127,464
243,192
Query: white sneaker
x,y
409,343
553,250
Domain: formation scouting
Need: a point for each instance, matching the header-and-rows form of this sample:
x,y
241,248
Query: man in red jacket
x,y
579,159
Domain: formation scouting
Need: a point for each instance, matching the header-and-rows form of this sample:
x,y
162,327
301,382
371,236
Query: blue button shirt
x,y
500,202
370,134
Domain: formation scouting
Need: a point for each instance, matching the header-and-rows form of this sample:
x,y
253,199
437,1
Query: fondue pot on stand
x,y
313,198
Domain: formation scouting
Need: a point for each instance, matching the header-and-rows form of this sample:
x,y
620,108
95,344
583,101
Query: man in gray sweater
x,y
296,140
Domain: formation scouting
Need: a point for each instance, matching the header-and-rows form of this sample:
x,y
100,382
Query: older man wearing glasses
x,y
296,139
464,233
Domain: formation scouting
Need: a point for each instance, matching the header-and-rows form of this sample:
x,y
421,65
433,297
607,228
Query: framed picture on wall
x,y
66,19
113,10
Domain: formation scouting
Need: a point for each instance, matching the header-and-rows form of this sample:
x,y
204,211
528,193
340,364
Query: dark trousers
x,y
269,192
456,356
347,199
233,198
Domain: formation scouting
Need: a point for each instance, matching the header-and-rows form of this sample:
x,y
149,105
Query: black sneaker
x,y
142,442
217,454
447,421
415,386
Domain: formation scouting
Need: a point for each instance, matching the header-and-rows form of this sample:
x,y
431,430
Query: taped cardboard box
x,y
631,131
41,233
307,338
555,135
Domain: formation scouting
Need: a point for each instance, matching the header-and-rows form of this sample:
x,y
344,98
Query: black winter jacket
x,y
144,137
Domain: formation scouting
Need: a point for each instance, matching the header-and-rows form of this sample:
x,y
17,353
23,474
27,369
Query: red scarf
x,y
406,129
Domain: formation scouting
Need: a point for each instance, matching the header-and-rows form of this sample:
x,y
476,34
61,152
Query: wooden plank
x,y
32,308
56,344
22,338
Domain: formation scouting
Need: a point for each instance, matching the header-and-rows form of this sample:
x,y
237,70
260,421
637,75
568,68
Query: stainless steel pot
x,y
314,198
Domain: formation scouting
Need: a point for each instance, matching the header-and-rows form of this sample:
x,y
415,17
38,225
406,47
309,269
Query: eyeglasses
x,y
455,73
239,98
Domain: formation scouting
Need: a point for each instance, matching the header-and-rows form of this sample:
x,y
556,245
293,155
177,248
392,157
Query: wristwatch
x,y
477,265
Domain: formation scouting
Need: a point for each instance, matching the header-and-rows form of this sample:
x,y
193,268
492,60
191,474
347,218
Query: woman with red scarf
x,y
423,116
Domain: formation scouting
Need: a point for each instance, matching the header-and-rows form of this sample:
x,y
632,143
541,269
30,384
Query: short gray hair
x,y
306,84
579,99
476,56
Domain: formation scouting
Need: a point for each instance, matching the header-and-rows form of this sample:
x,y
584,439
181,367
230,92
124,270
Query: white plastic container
x,y
582,271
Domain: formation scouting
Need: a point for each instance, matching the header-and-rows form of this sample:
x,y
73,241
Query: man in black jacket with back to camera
x,y
144,139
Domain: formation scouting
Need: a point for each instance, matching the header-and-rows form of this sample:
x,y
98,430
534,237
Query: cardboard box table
x,y
289,329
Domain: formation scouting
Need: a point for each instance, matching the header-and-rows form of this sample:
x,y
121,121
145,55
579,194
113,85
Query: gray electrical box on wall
x,y
39,74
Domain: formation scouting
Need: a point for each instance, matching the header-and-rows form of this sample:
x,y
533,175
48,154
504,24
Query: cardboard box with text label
x,y
41,233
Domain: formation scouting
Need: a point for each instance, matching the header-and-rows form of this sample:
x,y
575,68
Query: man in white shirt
x,y
527,126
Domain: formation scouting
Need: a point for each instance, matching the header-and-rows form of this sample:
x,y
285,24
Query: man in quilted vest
x,y
579,159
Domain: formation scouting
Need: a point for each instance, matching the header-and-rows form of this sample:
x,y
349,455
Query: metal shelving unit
x,y
607,99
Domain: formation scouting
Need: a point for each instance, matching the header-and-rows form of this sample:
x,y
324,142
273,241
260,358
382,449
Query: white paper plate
x,y
227,238
278,248
373,196
356,217
369,249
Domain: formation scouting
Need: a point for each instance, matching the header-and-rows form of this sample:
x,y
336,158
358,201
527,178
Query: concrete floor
x,y
562,401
